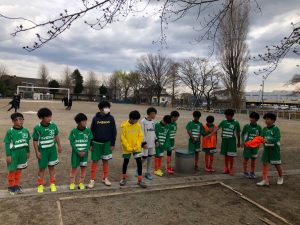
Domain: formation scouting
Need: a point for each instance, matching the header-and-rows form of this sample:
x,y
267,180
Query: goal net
x,y
42,93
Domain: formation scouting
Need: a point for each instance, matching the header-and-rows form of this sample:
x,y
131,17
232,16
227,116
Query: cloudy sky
x,y
120,44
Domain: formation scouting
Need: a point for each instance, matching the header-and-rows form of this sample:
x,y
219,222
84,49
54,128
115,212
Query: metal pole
x,y
262,91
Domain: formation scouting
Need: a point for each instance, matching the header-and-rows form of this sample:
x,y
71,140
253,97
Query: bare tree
x,y
136,84
155,71
110,11
295,81
43,75
189,76
67,78
233,51
174,80
125,83
114,85
91,85
3,70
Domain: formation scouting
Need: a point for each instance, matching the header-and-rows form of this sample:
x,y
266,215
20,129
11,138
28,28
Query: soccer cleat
x,y
280,180
18,190
106,182
81,186
158,173
123,182
91,184
207,169
170,171
226,171
72,186
246,175
52,187
211,170
40,188
148,176
11,190
263,183
252,175
142,184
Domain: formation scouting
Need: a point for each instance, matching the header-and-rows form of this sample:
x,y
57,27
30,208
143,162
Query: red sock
x,y
206,161
18,175
105,170
252,165
52,180
245,162
211,157
265,172
226,161
11,178
159,162
231,161
40,181
94,170
140,179
156,163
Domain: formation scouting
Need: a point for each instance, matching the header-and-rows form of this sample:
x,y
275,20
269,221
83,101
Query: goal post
x,y
38,93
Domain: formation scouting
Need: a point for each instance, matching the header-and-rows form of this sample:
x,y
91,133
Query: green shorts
x,y
135,155
159,151
172,145
228,147
194,147
250,153
271,155
77,160
48,157
209,150
101,151
18,160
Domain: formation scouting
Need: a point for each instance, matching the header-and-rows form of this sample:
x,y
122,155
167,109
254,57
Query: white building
x,y
280,96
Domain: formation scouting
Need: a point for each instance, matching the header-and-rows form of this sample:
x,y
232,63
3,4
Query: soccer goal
x,y
42,93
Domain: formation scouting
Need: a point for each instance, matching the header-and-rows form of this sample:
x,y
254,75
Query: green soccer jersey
x,y
162,133
80,140
196,128
250,131
229,128
45,135
15,139
173,129
272,136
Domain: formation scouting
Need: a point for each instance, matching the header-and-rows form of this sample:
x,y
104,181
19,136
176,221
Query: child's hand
x,y
157,145
145,146
38,155
242,145
59,149
91,148
194,140
112,148
28,155
8,159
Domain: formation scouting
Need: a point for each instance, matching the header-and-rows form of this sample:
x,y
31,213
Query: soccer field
x,y
64,119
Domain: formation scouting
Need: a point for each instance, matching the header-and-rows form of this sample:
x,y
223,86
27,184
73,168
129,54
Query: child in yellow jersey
x,y
131,141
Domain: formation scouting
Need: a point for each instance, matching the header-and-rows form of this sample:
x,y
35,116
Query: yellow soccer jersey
x,y
131,137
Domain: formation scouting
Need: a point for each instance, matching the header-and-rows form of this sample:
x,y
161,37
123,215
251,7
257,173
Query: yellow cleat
x,y
81,186
52,188
158,173
40,188
72,186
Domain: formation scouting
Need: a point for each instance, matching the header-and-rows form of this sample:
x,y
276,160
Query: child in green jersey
x,y
45,137
80,141
231,139
173,129
17,152
249,132
271,154
162,142
195,129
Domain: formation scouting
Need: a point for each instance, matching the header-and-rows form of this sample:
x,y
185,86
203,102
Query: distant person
x,y
18,100
271,154
65,101
70,103
14,103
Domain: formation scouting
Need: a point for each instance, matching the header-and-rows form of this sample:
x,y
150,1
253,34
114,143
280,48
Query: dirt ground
x,y
286,200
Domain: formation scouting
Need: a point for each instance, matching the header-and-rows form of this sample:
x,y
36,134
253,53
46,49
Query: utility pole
x,y
262,91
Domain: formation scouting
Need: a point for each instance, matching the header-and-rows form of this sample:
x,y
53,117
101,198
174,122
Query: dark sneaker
x,y
142,184
252,175
11,190
246,175
123,182
18,190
